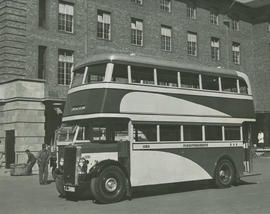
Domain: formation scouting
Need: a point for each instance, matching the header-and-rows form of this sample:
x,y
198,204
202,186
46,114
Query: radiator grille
x,y
69,165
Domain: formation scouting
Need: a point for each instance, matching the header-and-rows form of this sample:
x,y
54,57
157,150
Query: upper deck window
x,y
78,77
229,84
120,73
167,78
243,87
210,82
143,75
189,80
96,73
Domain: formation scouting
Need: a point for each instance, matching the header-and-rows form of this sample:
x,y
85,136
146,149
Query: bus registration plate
x,y
69,189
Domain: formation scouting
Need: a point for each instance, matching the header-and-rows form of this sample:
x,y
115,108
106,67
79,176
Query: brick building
x,y
41,39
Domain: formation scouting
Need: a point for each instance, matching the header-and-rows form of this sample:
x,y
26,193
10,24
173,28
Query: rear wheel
x,y
109,186
224,174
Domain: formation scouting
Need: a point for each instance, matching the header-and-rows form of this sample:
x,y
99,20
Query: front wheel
x,y
224,174
109,186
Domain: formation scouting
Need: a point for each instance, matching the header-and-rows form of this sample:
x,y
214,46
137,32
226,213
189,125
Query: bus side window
x,y
145,132
142,75
170,133
96,73
192,132
210,82
232,133
120,132
120,73
213,132
167,78
189,80
78,77
243,87
229,84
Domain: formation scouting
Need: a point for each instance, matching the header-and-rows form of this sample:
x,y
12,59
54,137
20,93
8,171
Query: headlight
x,y
61,162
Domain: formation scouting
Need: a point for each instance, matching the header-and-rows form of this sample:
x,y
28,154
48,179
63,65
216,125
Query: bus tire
x,y
224,174
109,186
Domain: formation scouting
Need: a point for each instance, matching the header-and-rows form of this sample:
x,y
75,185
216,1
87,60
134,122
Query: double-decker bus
x,y
132,121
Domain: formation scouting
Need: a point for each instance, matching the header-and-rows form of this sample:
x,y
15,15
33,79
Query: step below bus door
x,y
248,139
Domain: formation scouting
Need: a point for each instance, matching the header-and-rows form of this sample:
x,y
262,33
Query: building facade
x,y
40,40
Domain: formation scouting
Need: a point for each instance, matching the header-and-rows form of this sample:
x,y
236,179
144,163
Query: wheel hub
x,y
111,184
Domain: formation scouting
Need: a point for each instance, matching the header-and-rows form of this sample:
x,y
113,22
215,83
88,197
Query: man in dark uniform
x,y
30,162
43,161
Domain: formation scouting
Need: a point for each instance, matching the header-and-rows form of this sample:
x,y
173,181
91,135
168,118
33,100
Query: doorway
x,y
10,147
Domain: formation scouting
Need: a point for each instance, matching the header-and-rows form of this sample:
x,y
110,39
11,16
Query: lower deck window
x,y
232,133
169,133
145,132
213,132
192,132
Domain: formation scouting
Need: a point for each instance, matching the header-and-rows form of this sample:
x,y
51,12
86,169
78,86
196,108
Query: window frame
x,y
192,45
191,10
65,4
166,38
67,78
135,31
166,6
102,31
236,55
215,50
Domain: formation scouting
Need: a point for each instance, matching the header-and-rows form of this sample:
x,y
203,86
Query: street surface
x,y
24,195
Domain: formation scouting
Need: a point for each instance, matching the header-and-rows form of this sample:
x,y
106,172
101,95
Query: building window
x,y
65,17
136,32
42,13
235,24
165,5
214,17
137,1
65,62
103,25
191,11
236,53
166,37
41,62
215,49
192,43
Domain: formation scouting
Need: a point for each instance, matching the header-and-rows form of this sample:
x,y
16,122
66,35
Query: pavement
x,y
24,195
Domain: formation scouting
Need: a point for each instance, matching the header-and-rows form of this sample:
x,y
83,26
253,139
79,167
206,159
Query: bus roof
x,y
156,62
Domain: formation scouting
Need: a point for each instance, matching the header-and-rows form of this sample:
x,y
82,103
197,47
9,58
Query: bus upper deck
x,y
141,87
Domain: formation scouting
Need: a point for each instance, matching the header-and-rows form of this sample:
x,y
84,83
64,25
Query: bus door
x,y
248,140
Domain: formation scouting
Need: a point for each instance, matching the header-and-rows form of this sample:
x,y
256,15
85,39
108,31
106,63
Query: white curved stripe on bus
x,y
153,172
145,103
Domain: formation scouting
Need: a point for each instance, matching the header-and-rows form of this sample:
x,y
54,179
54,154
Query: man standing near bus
x,y
261,139
43,161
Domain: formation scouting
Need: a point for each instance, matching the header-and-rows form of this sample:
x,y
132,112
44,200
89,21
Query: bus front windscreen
x,y
66,133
